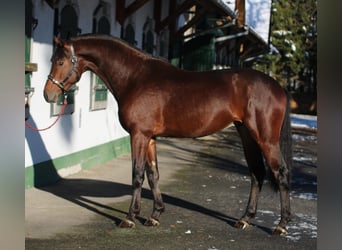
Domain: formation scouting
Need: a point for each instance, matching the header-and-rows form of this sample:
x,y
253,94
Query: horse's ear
x,y
58,41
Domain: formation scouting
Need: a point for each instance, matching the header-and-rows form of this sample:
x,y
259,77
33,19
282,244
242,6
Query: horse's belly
x,y
186,125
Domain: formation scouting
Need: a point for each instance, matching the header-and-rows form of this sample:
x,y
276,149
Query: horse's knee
x,y
137,182
282,176
138,179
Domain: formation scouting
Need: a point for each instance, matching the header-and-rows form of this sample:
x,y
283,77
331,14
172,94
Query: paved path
x,y
74,200
205,185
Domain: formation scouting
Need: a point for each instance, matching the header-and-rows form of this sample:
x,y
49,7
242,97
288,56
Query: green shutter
x,y
199,53
70,98
175,54
100,90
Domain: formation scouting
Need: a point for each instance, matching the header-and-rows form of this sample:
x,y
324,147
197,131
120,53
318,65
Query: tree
x,y
294,35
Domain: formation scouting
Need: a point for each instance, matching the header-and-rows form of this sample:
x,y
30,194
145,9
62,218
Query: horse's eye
x,y
60,63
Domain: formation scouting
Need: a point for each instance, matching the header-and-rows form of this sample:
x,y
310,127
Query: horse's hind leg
x,y
153,181
257,170
281,174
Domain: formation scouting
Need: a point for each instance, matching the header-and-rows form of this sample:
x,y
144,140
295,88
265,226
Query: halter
x,y
73,70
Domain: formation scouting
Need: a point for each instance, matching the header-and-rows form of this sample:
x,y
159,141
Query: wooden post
x,y
240,7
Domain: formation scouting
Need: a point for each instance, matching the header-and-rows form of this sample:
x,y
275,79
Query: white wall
x,y
84,128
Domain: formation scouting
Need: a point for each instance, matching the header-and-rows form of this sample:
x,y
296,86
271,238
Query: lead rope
x,y
59,116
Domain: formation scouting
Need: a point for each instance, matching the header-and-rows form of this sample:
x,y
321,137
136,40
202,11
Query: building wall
x,y
84,138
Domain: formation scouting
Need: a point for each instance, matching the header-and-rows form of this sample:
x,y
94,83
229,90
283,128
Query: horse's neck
x,y
111,65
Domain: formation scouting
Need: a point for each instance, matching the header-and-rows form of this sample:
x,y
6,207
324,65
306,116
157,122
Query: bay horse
x,y
157,99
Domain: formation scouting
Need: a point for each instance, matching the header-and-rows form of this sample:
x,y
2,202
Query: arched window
x,y
148,37
148,42
129,34
162,44
67,27
69,22
103,26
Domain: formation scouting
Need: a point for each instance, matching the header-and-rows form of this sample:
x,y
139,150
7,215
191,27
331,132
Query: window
x,y
129,33
148,37
68,24
99,91
104,26
163,44
67,28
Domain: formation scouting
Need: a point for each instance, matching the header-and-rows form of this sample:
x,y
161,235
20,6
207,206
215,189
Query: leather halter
x,y
73,70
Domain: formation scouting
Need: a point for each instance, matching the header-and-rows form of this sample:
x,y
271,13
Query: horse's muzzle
x,y
50,97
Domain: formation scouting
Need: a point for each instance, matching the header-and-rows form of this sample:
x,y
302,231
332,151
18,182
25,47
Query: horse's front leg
x,y
139,145
153,181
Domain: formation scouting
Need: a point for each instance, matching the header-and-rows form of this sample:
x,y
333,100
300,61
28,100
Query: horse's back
x,y
217,82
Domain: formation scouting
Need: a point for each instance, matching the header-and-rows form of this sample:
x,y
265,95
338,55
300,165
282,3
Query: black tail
x,y
285,142
286,136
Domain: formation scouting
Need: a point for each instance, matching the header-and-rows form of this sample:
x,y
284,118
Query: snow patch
x,y
304,196
302,225
303,121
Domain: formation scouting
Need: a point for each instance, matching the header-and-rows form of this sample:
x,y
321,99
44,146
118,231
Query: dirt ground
x,y
203,198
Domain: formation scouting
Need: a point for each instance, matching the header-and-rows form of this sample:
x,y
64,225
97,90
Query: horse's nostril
x,y
51,98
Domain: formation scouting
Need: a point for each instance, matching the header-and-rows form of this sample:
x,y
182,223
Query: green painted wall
x,y
45,173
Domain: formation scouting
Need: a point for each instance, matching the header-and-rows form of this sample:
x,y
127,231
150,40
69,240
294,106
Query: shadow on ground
x,y
76,191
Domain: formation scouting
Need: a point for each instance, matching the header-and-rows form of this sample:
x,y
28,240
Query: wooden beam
x,y
240,7
133,7
120,11
187,4
170,20
52,3
123,12
157,14
31,67
175,11
197,18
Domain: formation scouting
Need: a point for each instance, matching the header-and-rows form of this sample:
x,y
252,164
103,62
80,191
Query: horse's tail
x,y
285,142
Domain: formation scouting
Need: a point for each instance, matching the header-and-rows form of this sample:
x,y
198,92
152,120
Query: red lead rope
x,y
59,116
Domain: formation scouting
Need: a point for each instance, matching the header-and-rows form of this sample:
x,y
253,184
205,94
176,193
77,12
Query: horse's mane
x,y
120,41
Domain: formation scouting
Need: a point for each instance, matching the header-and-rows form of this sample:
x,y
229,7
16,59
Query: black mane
x,y
114,39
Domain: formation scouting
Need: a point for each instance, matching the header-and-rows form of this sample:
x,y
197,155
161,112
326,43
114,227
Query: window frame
x,y
98,89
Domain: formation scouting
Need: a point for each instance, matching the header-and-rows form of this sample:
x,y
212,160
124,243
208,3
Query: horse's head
x,y
64,71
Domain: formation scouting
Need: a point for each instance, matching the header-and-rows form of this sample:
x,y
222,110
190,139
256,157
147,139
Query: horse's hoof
x,y
152,222
281,231
126,223
241,224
